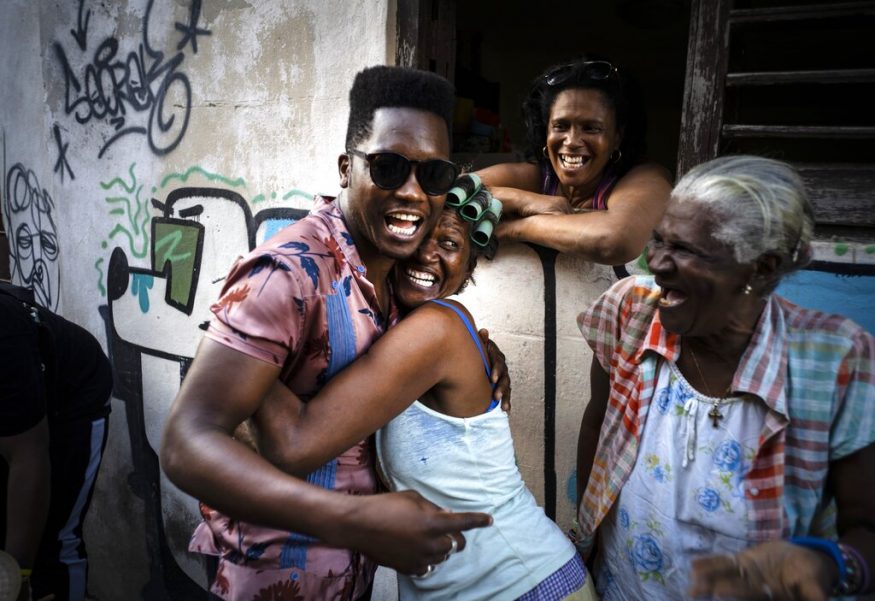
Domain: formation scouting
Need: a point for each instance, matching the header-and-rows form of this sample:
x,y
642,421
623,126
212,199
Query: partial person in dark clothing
x,y
55,385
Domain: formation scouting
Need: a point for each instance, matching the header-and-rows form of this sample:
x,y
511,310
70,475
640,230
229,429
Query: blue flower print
x,y
727,456
624,518
672,398
709,499
659,474
662,401
678,394
645,554
606,583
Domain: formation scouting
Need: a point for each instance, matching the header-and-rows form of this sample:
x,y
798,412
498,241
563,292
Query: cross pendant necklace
x,y
714,413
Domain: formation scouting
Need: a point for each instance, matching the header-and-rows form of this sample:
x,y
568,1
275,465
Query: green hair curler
x,y
465,187
483,233
473,209
485,227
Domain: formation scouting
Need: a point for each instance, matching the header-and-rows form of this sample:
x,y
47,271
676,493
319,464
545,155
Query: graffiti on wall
x,y
33,236
129,217
145,92
155,319
62,166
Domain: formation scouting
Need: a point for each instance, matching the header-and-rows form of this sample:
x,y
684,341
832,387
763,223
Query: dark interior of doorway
x,y
501,45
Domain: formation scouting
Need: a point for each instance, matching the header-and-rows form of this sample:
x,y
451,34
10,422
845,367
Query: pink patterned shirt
x,y
300,301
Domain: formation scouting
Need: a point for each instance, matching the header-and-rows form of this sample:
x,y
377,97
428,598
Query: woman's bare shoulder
x,y
523,175
439,311
649,173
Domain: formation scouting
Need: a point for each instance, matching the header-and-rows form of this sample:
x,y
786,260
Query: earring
x,y
747,290
544,152
619,155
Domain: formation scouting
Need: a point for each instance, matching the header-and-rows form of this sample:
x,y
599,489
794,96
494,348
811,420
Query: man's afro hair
x,y
387,86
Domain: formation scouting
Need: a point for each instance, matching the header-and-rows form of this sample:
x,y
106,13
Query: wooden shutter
x,y
426,36
789,80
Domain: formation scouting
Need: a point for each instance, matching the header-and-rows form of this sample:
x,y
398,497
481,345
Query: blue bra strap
x,y
470,328
471,331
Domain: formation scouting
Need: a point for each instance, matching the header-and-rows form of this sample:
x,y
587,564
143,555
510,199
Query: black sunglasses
x,y
597,70
389,170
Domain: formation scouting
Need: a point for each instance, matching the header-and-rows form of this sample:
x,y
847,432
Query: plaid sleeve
x,y
600,324
854,425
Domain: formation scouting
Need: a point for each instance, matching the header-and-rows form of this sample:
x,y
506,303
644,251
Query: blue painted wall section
x,y
850,295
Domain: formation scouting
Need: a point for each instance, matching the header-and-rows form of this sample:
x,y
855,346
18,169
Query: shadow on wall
x,y
155,319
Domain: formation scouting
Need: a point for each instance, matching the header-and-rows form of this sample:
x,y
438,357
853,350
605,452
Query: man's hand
x,y
773,571
406,532
498,367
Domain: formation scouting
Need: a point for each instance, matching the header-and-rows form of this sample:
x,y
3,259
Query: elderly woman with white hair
x,y
727,450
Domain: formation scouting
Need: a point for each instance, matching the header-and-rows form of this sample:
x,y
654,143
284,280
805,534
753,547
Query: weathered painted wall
x,y
841,280
529,298
145,144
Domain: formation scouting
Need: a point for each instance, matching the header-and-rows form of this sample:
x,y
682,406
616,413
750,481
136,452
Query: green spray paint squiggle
x,y
120,182
170,240
99,269
137,221
296,192
131,216
183,177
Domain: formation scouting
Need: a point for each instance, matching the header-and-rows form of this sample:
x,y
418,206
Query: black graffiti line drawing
x,y
145,81
61,164
127,350
33,236
190,30
80,34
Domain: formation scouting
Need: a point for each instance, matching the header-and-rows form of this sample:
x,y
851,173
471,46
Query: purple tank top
x,y
550,186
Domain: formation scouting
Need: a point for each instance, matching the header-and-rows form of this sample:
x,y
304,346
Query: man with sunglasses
x,y
297,309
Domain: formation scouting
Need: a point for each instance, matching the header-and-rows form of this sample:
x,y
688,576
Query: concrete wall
x,y
150,143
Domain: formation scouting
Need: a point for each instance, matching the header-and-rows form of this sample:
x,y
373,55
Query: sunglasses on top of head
x,y
389,171
596,70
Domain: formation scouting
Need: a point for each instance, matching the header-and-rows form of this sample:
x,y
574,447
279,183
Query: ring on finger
x,y
767,591
454,545
429,570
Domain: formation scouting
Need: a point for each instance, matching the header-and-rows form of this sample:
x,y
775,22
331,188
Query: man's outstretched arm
x,y
222,388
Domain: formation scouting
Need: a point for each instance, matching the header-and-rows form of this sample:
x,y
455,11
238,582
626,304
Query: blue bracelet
x,y
827,546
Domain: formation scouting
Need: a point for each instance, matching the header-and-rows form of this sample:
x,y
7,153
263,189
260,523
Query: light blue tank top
x,y
468,464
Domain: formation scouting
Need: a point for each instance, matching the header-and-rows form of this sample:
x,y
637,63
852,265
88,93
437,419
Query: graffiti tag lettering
x,y
145,81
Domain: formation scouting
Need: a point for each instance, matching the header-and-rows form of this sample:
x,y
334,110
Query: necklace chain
x,y
714,413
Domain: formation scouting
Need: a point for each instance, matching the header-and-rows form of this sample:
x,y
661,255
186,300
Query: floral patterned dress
x,y
684,496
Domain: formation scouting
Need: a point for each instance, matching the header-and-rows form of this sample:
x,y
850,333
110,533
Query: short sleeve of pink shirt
x,y
260,312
